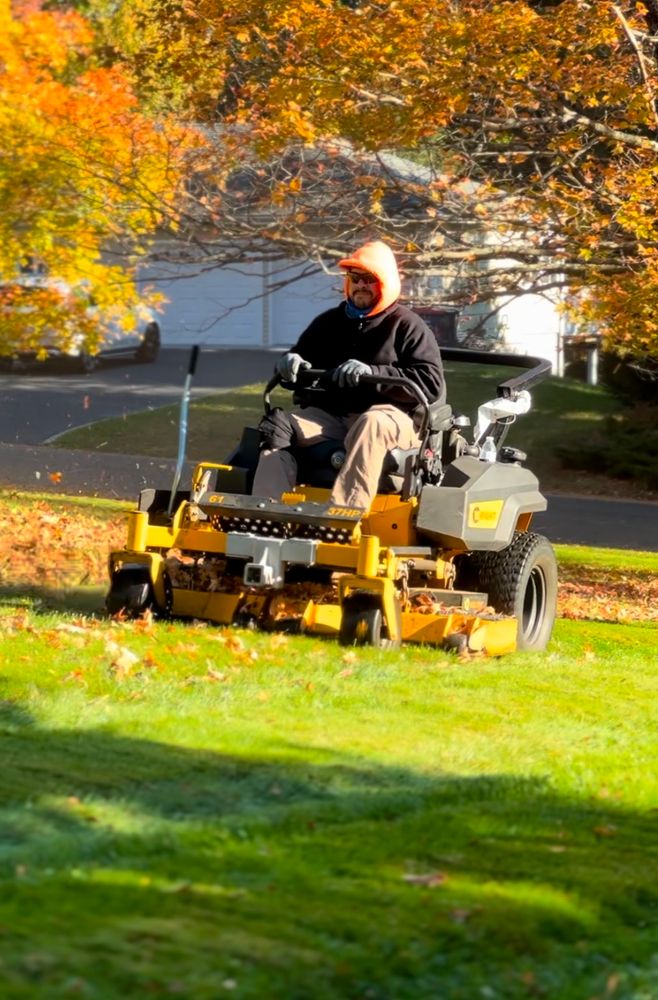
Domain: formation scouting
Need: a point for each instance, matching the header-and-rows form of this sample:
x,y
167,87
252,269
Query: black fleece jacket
x,y
394,342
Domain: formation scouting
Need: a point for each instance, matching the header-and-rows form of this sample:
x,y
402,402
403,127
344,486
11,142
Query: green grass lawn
x,y
194,811
564,411
200,812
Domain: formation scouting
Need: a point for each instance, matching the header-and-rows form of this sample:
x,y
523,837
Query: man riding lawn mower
x,y
372,518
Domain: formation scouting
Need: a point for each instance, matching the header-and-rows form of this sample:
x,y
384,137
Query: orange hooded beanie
x,y
378,259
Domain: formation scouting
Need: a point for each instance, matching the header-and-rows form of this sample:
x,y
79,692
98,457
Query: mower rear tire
x,y
131,592
521,580
362,623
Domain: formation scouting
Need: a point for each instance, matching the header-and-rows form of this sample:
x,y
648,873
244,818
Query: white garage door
x,y
231,307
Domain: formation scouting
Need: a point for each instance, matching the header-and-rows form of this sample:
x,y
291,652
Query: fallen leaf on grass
x,y
71,628
123,661
232,642
605,830
349,657
278,640
211,677
612,984
183,649
16,623
430,879
145,622
150,661
77,676
178,887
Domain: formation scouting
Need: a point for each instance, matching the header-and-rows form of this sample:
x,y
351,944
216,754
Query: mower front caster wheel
x,y
131,592
362,624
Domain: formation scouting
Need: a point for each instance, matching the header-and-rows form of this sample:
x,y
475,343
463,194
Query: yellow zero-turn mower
x,y
444,556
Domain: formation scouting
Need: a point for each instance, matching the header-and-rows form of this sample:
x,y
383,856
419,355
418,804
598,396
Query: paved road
x,y
38,404
612,524
36,407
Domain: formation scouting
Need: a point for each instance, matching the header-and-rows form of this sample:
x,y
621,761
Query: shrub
x,y
626,448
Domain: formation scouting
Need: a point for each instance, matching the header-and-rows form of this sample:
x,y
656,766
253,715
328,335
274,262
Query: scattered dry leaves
x,y
612,595
43,546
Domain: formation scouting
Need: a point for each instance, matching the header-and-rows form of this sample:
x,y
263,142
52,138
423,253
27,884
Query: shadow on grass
x,y
133,868
82,600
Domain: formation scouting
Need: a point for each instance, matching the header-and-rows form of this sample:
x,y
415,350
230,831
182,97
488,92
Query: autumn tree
x,y
532,128
85,178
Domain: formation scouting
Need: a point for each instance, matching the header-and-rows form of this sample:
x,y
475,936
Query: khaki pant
x,y
367,436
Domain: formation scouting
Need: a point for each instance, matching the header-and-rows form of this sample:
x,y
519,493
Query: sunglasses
x,y
366,279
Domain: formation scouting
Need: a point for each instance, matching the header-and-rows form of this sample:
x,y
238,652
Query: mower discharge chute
x,y
443,556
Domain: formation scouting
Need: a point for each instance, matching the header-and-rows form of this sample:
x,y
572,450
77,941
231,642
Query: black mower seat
x,y
319,464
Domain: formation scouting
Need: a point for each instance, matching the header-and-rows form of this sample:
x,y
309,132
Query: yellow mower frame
x,y
404,571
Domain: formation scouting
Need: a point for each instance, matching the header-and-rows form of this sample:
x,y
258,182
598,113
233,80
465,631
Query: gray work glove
x,y
289,365
350,372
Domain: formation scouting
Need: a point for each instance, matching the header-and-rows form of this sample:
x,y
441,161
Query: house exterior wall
x,y
532,324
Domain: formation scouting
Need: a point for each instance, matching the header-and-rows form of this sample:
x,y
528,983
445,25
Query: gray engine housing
x,y
478,504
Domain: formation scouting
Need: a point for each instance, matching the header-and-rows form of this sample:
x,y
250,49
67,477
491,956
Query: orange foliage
x,y
81,165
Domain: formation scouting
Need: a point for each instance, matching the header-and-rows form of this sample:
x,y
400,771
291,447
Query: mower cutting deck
x,y
444,555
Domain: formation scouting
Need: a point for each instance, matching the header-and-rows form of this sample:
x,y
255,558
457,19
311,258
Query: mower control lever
x,y
310,376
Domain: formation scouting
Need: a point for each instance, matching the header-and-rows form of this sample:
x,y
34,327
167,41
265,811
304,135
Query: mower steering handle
x,y
313,374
